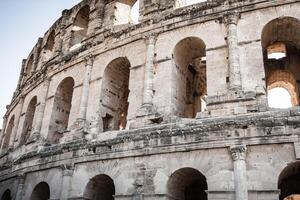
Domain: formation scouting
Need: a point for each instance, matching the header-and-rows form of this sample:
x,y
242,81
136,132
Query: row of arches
x,y
189,71
125,12
183,184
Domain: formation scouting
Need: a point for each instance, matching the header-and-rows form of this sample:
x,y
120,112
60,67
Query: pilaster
x,y
238,154
16,125
67,173
21,182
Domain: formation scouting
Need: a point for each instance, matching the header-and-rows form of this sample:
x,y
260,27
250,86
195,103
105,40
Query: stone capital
x,y
68,169
150,38
238,152
231,18
89,60
21,178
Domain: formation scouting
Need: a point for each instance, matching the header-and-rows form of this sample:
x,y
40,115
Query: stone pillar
x,y
240,173
36,54
148,77
21,181
21,74
59,46
3,129
233,52
85,89
66,181
41,111
16,125
99,14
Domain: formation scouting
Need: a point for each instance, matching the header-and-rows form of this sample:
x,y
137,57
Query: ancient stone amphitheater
x,y
172,107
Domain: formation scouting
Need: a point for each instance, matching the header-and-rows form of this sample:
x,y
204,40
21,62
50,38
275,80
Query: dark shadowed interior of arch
x,y
114,94
61,110
29,66
41,192
8,132
280,43
289,181
28,121
80,26
49,47
6,195
187,184
189,77
100,187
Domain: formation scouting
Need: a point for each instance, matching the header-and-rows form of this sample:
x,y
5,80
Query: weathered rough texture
x,y
173,107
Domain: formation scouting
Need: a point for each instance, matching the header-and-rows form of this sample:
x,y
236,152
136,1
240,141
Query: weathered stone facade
x,y
173,107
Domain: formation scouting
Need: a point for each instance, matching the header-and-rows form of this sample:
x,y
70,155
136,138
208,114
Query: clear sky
x,y
22,22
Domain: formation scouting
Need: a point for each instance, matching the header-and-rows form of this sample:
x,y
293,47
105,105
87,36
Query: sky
x,y
22,22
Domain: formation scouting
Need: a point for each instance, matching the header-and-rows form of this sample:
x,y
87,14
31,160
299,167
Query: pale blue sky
x,y
22,22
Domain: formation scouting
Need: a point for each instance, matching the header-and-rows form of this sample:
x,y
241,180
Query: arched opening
x,y
281,53
61,110
29,66
183,3
289,182
40,192
80,27
279,97
114,94
49,47
189,72
187,184
100,187
8,132
28,122
126,11
6,195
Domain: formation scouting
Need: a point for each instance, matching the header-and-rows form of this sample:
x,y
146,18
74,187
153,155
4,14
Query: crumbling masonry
x,y
173,107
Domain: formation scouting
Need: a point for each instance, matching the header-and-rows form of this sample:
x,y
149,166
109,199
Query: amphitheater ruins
x,y
173,106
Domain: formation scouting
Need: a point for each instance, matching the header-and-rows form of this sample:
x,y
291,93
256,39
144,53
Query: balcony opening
x,y
281,61
28,121
80,27
100,187
6,195
29,67
187,184
41,192
289,181
114,95
49,47
61,110
8,131
126,12
189,72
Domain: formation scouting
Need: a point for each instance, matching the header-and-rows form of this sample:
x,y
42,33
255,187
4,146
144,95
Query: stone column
x,y
21,181
59,46
233,52
3,129
41,111
99,14
85,89
66,181
149,72
240,173
21,74
16,125
36,54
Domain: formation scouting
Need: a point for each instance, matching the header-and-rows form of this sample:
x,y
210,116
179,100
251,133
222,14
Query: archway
x,y
189,57
281,53
6,195
114,94
8,132
187,184
49,47
29,67
61,110
41,192
100,187
28,122
289,182
80,27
